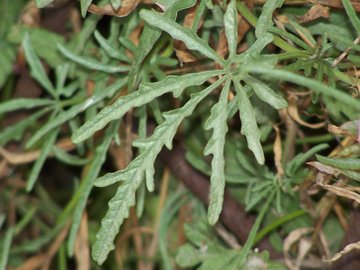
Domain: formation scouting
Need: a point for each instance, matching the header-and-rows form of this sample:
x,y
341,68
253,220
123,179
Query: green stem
x,y
261,234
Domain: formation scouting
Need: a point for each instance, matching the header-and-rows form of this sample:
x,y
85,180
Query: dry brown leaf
x,y
22,158
127,6
278,152
182,53
304,247
342,191
346,250
324,168
315,12
294,113
33,263
82,253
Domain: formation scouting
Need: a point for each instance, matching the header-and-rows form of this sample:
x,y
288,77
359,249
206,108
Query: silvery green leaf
x,y
265,18
133,175
116,4
249,126
146,93
218,122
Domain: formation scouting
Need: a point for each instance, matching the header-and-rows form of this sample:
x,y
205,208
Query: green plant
x,y
102,88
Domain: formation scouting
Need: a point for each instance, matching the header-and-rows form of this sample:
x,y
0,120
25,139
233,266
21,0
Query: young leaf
x,y
231,27
133,175
265,93
191,40
215,146
37,69
146,93
91,64
249,126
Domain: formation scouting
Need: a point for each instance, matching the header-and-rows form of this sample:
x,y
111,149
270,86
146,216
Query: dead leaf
x,y
182,53
278,152
82,253
304,247
347,249
294,113
27,157
315,12
127,6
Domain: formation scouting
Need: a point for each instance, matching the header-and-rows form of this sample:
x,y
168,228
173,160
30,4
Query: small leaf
x,y
23,103
215,146
146,93
231,27
265,93
112,52
341,163
37,69
355,21
5,249
91,64
191,40
68,158
249,126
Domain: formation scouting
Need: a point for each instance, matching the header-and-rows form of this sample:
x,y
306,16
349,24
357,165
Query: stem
x,y
261,234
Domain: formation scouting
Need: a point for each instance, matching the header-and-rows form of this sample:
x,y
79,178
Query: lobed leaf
x,y
191,40
133,175
218,122
249,126
146,93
